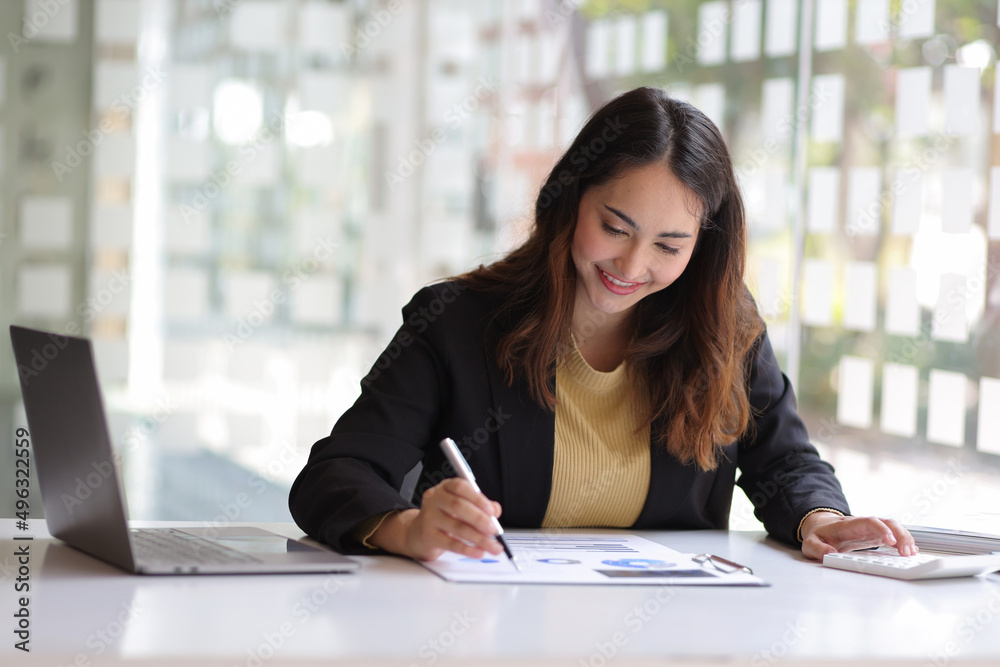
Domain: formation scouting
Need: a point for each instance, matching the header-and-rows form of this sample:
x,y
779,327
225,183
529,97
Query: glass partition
x,y
234,200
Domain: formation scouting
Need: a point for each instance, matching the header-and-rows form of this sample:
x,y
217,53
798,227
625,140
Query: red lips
x,y
617,289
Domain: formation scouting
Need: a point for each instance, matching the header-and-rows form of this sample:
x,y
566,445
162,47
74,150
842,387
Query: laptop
x,y
82,493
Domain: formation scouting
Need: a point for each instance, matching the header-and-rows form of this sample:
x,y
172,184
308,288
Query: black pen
x,y
457,462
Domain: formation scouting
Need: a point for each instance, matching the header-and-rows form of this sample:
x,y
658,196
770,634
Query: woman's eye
x,y
611,230
667,249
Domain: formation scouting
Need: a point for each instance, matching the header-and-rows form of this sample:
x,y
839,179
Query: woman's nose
x,y
631,265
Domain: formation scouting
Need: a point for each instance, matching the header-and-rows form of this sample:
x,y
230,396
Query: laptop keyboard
x,y
165,545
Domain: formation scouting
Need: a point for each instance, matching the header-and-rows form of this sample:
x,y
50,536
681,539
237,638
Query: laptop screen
x,y
81,493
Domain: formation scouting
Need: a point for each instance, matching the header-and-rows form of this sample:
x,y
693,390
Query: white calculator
x,y
888,563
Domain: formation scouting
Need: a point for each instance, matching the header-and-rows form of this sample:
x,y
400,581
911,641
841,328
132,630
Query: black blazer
x,y
437,378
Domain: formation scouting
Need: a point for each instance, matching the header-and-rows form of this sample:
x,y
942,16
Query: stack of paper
x,y
970,534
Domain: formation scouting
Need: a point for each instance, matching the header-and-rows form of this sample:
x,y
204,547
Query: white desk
x,y
395,612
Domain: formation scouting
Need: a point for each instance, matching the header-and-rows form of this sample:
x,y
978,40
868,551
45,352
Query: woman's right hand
x,y
452,517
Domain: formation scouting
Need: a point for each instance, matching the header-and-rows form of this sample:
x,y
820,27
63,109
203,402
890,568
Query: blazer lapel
x,y
525,445
682,496
671,490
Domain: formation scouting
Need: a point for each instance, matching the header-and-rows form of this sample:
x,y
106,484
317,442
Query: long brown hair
x,y
692,337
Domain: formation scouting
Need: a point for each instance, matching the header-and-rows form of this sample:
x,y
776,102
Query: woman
x,y
612,371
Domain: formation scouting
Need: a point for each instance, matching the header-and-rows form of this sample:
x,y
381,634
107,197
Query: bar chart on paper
x,y
585,558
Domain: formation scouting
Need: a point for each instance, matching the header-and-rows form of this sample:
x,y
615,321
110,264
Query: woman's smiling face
x,y
634,236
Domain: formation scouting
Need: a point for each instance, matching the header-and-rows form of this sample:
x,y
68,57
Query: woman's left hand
x,y
826,532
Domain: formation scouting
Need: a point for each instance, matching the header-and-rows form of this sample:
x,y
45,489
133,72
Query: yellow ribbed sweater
x,y
600,474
